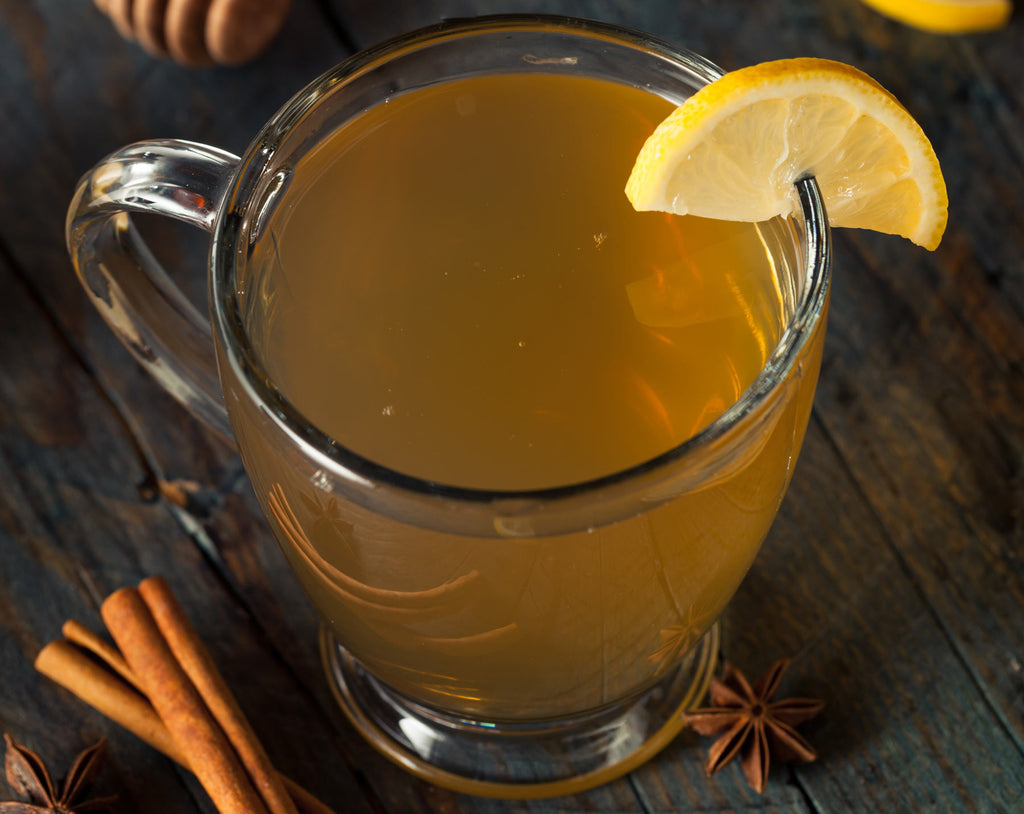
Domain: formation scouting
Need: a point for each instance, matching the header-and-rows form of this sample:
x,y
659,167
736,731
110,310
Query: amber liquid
x,y
458,290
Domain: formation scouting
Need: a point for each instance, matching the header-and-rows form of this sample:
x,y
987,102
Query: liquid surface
x,y
458,289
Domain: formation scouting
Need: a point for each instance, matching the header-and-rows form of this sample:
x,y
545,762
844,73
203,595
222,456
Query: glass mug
x,y
510,642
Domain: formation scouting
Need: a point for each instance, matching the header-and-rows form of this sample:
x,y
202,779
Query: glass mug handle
x,y
163,330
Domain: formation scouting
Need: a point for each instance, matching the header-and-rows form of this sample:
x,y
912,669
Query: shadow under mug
x,y
429,649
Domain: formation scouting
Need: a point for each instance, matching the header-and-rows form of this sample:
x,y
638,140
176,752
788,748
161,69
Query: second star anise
x,y
28,776
754,724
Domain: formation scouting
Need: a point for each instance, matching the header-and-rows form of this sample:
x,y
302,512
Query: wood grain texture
x,y
893,575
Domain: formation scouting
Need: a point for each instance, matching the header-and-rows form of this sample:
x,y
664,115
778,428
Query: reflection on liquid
x,y
388,606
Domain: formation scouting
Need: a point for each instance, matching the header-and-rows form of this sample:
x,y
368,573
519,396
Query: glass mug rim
x,y
349,466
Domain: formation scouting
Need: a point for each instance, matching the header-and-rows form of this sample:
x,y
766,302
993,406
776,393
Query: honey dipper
x,y
198,32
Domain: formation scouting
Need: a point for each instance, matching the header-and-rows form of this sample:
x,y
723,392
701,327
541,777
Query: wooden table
x,y
893,576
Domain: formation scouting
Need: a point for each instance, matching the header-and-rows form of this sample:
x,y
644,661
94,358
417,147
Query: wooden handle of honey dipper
x,y
199,32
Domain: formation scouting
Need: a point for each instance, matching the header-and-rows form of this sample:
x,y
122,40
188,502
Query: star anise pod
x,y
755,724
28,777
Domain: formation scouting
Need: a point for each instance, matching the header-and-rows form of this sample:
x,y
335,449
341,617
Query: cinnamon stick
x,y
194,659
113,695
67,665
210,756
77,633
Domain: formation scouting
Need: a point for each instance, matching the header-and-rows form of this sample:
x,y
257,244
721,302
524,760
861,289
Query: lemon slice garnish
x,y
946,16
734,149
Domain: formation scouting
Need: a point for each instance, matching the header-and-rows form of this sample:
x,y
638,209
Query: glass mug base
x,y
512,760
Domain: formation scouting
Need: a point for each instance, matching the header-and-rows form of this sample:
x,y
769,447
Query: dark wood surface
x,y
894,575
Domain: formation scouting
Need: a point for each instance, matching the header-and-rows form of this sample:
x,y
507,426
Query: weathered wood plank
x,y
907,725
893,572
60,510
